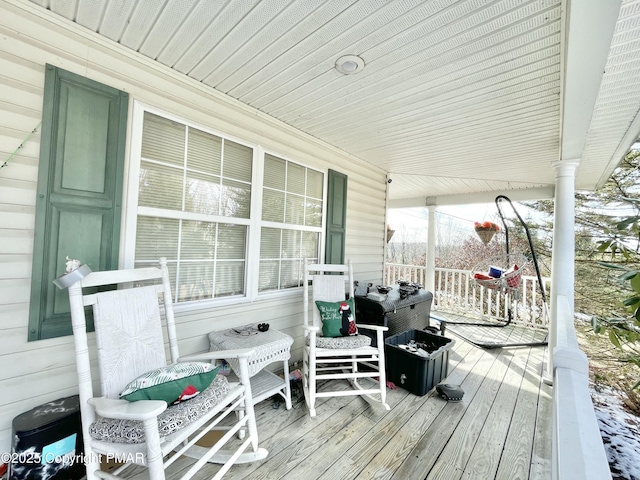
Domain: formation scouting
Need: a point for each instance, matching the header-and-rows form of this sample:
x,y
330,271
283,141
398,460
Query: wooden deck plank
x,y
384,453
497,334
370,445
426,452
541,457
501,429
485,458
288,447
515,463
454,457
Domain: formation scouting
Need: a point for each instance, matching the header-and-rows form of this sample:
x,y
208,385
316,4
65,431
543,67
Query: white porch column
x,y
430,271
563,250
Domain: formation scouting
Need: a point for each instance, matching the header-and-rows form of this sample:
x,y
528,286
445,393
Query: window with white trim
x,y
291,222
194,207
194,199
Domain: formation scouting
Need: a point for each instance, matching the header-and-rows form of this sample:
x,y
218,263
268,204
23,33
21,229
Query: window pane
x,y
157,237
299,204
274,172
270,243
163,139
203,194
235,199
229,279
208,258
171,266
295,179
268,277
313,213
310,242
314,184
195,281
160,186
291,274
205,152
294,210
296,248
198,240
290,244
237,161
232,242
273,206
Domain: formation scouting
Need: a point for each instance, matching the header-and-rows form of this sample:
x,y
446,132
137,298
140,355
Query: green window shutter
x,y
79,191
336,217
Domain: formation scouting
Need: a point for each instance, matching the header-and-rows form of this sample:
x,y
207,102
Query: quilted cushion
x,y
175,382
172,419
354,341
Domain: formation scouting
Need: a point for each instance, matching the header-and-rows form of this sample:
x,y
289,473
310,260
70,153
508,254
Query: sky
x,y
410,224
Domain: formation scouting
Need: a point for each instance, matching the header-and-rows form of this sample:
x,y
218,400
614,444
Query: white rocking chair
x,y
130,342
327,358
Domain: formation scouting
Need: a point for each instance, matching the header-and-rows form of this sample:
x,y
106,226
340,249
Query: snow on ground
x,y
620,433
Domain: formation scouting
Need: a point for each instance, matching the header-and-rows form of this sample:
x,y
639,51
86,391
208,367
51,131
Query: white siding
x,y
36,372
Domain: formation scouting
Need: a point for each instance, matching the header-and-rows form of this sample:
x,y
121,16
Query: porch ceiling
x,y
456,97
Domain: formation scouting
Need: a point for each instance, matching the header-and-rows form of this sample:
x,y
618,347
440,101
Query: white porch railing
x,y
456,291
577,447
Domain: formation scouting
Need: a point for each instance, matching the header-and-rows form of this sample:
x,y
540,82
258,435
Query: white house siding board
x,y
23,118
14,315
281,313
42,371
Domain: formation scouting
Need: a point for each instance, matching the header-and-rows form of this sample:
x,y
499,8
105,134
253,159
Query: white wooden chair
x,y
130,342
327,358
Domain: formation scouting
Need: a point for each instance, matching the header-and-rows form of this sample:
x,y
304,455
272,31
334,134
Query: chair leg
x,y
382,370
251,422
155,462
287,388
309,381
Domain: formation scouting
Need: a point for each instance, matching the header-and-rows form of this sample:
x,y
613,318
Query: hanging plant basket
x,y
390,234
485,235
486,231
502,273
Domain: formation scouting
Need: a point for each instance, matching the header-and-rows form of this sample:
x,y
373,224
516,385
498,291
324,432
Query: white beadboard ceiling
x,y
457,97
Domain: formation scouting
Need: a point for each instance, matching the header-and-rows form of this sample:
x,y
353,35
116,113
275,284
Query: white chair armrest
x,y
372,327
124,410
218,355
311,328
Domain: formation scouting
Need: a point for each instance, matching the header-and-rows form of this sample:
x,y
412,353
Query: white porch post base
x,y
563,251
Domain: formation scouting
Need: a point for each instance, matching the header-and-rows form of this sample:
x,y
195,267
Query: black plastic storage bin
x,y
47,442
399,314
414,372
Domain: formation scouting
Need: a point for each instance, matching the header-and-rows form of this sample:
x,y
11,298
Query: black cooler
x,y
397,313
47,442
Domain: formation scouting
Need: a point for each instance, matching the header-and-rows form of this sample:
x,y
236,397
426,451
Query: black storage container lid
x,y
395,302
46,415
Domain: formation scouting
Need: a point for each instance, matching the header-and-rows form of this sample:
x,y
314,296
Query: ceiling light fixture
x,y
349,64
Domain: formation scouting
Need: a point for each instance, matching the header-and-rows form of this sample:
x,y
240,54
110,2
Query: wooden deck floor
x,y
500,430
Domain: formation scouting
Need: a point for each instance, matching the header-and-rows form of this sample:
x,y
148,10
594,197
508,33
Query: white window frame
x,y
254,223
269,224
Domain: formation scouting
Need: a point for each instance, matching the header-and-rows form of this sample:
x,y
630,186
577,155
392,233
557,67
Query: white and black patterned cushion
x,y
172,419
352,341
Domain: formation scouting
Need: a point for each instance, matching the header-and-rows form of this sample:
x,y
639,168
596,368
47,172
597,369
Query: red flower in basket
x,y
486,226
486,231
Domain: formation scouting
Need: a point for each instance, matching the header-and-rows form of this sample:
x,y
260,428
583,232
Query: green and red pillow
x,y
331,314
173,384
